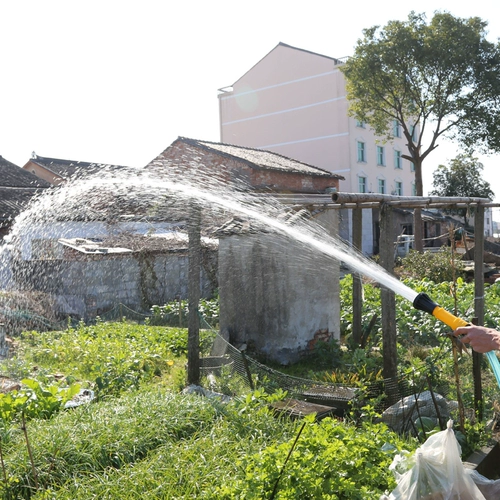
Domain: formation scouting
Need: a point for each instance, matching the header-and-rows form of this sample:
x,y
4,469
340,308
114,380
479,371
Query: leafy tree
x,y
462,177
441,78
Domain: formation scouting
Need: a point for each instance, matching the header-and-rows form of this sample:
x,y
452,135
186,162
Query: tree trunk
x,y
418,226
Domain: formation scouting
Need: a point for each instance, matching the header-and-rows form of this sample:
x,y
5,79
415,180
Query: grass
x,y
142,438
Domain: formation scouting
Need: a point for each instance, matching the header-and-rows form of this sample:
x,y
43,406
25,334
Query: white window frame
x,y
361,147
382,187
381,156
362,183
398,161
398,188
396,128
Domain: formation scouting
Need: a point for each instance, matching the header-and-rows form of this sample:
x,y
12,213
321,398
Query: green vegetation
x,y
439,267
141,438
176,313
463,177
152,442
109,357
440,76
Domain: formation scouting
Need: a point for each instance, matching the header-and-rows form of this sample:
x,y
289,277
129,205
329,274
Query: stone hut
x,y
277,297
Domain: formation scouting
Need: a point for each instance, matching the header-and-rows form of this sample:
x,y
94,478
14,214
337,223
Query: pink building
x,y
293,102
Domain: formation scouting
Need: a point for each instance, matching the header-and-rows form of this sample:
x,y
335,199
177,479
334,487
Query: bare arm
x,y
480,338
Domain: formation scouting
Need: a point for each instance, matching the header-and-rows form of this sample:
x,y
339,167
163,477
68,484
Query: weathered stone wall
x,y
89,286
277,295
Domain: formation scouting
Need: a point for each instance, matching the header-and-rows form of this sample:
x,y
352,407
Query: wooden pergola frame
x,y
385,203
355,202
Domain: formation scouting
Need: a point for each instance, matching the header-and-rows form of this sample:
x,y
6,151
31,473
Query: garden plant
x,y
142,437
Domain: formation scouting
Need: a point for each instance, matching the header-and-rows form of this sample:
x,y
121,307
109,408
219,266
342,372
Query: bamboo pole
x,y
387,198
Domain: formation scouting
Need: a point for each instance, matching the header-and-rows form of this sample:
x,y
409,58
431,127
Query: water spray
x,y
424,303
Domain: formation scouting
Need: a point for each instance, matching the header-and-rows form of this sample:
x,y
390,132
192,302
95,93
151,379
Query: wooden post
x,y
477,359
418,230
357,287
479,264
388,298
194,251
478,304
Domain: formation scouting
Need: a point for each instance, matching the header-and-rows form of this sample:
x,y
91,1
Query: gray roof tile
x,y
261,159
13,176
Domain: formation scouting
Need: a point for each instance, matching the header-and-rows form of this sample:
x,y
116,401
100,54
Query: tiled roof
x,y
13,200
17,188
13,176
261,159
70,168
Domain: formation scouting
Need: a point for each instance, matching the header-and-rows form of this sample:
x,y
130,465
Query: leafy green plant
x,y
438,267
34,400
330,460
175,313
115,357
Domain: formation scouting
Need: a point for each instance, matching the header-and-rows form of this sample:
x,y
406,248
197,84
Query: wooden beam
x,y
387,198
388,299
357,286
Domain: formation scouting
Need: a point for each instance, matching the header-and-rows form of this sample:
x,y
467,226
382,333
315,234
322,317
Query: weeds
x,y
142,440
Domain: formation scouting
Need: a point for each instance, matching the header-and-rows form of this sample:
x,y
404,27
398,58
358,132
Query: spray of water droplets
x,y
166,191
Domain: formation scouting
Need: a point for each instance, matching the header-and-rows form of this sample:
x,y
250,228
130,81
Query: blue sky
x,y
117,81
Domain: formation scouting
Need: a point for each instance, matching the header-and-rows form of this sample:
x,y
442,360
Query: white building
x,y
293,102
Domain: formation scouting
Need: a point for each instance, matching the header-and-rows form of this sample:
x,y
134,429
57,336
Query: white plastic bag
x,y
438,472
490,488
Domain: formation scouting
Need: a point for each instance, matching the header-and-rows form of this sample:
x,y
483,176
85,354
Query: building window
x,y
412,167
413,189
381,186
399,188
361,152
360,124
381,156
397,159
362,184
396,128
414,133
407,229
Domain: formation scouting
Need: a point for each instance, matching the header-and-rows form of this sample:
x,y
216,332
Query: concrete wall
x,y
92,285
293,102
277,295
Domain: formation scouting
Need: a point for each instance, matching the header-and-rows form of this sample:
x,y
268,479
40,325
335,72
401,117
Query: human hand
x,y
480,338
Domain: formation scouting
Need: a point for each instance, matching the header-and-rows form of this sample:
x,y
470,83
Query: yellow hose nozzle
x,y
448,319
422,302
